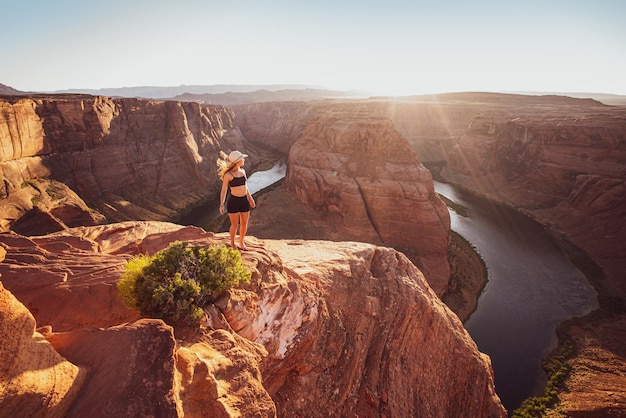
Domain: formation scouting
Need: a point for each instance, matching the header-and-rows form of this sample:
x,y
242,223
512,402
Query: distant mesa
x,y
264,95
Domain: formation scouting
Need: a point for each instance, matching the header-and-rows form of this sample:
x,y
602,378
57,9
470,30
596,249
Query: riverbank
x,y
468,271
468,277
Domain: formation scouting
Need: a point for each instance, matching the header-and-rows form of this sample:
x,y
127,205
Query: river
x,y
532,286
205,215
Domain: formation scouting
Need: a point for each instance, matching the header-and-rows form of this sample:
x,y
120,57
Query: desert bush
x,y
178,282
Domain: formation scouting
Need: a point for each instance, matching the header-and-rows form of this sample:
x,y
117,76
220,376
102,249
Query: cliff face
x,y
567,169
432,124
431,128
276,125
126,158
322,329
362,172
372,333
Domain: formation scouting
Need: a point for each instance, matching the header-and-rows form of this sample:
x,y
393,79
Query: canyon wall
x,y
562,161
348,162
432,124
108,159
360,171
566,167
67,161
322,329
431,128
275,125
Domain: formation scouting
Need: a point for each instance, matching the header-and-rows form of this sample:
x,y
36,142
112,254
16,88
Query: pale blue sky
x,y
389,47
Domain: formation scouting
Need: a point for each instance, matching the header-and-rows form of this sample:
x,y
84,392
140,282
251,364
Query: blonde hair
x,y
224,165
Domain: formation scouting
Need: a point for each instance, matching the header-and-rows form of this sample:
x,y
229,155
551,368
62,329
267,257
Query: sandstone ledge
x,y
323,327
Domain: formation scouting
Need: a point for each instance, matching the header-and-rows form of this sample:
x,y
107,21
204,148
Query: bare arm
x,y
250,198
248,194
223,193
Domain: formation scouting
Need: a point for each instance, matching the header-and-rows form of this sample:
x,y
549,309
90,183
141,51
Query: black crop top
x,y
237,181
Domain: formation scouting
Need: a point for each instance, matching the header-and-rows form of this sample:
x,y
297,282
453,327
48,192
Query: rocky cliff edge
x,y
322,329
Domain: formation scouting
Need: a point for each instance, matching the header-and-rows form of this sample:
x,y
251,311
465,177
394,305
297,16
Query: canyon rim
x,y
74,167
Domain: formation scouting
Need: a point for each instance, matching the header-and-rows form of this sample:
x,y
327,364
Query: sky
x,y
383,46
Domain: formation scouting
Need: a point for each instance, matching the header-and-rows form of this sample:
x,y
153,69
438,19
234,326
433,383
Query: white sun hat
x,y
235,156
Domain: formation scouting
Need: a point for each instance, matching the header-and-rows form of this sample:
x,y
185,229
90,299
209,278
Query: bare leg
x,y
234,224
244,216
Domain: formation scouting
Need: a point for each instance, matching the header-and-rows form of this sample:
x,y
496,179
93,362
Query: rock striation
x,y
124,158
357,168
323,328
129,369
433,124
372,335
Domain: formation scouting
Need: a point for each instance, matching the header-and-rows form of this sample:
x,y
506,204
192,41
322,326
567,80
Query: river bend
x,y
532,286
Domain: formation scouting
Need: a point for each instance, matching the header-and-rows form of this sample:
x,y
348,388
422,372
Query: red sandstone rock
x,y
566,169
276,125
130,369
596,382
128,158
331,326
220,373
559,159
34,379
358,328
361,170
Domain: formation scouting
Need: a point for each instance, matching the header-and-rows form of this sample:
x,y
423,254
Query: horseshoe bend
x,y
349,257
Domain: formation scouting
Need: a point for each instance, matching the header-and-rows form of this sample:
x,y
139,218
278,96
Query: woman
x,y
240,201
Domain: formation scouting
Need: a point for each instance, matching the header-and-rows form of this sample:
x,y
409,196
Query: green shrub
x,y
126,287
178,282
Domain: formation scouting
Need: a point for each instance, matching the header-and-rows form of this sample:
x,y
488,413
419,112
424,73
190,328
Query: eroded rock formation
x,y
567,169
34,379
433,124
275,125
361,171
322,327
374,358
125,158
